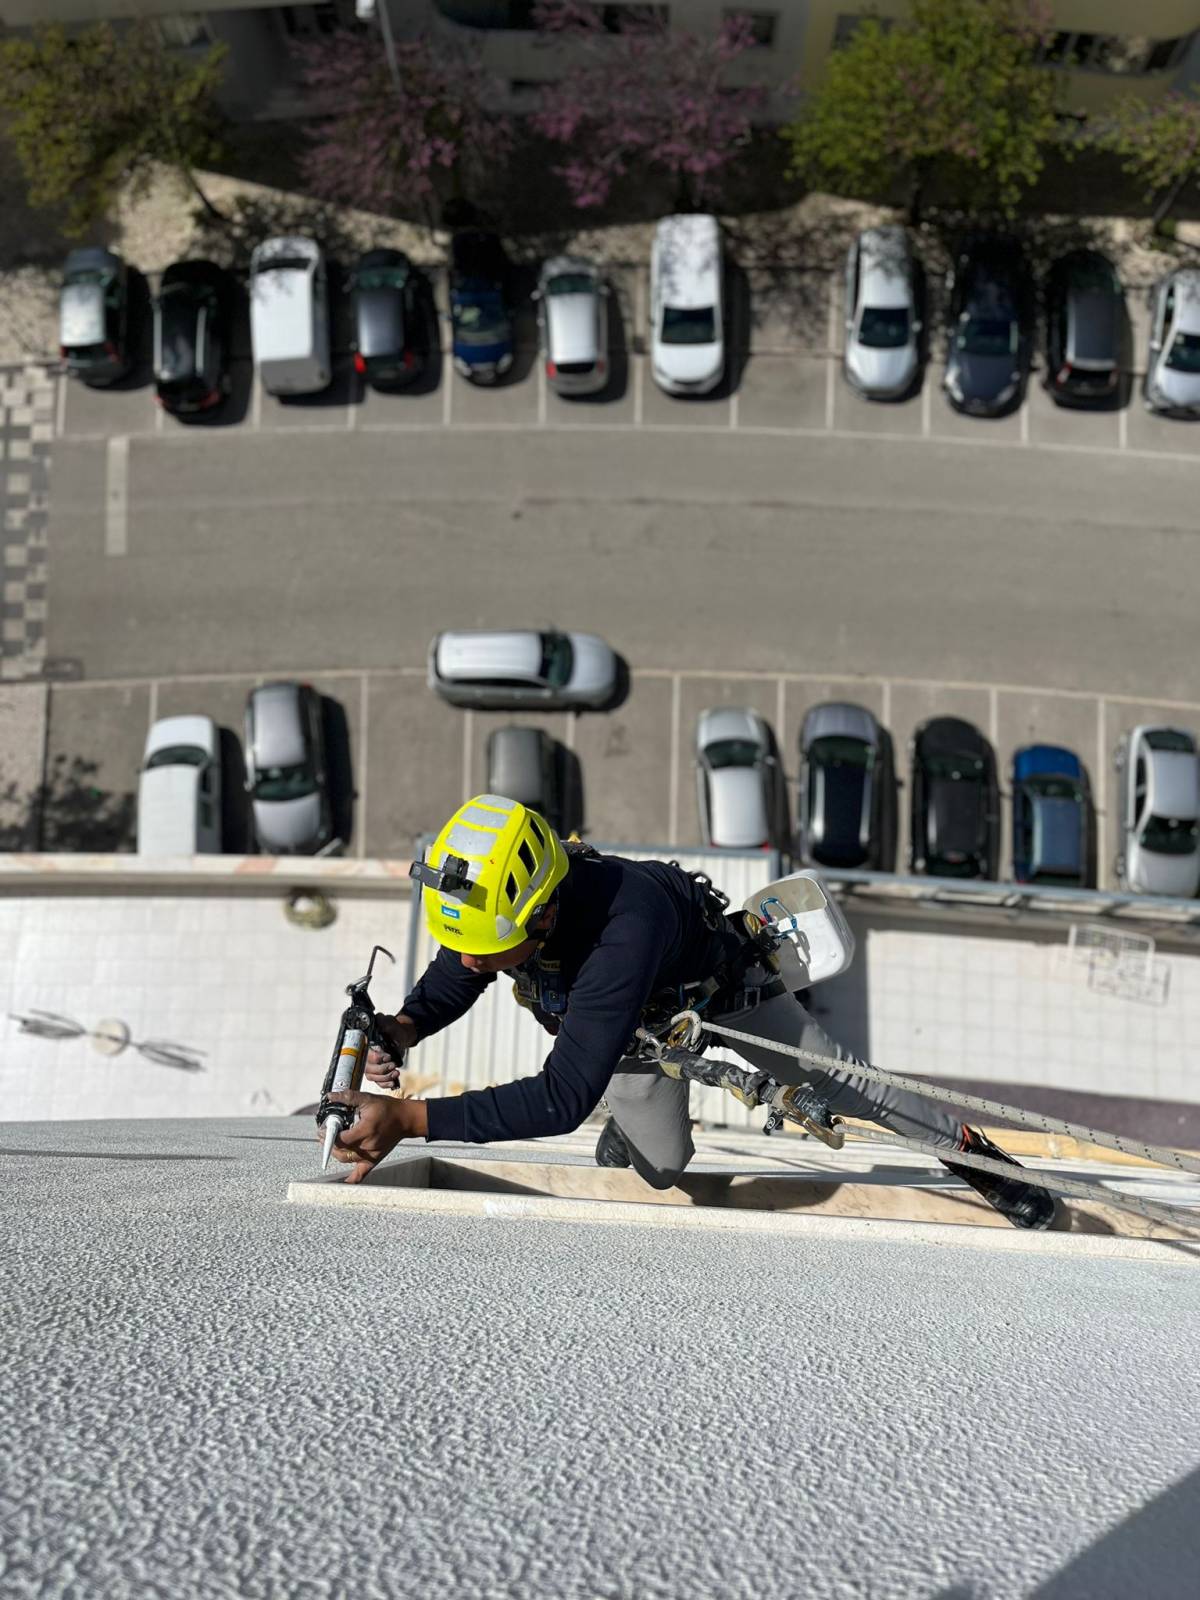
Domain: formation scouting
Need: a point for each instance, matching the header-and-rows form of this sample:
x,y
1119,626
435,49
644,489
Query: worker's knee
x,y
659,1177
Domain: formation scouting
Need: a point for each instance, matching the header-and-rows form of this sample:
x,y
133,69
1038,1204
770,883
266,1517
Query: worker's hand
x,y
376,1130
384,1067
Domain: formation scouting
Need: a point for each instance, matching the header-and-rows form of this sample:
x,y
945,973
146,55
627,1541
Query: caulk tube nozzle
x,y
333,1126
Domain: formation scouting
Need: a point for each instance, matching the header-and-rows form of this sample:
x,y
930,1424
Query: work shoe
x,y
1024,1205
611,1149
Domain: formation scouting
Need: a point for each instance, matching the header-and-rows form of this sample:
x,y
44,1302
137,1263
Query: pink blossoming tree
x,y
643,99
384,144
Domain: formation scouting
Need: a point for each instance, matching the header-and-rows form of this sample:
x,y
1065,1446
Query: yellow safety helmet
x,y
493,865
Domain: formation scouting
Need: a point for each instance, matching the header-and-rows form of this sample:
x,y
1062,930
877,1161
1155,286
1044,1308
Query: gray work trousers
x,y
651,1109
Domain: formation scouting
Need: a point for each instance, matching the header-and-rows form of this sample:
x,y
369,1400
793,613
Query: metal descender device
x,y
357,1032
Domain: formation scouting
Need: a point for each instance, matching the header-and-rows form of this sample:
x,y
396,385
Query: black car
x,y
991,306
94,334
1085,308
840,797
955,801
390,335
192,317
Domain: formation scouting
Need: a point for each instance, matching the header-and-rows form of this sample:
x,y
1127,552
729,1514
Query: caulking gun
x,y
357,1032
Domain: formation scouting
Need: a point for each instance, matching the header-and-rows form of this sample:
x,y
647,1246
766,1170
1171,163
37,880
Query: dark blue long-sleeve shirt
x,y
625,930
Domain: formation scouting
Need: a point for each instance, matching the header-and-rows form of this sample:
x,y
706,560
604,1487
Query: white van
x,y
289,316
179,791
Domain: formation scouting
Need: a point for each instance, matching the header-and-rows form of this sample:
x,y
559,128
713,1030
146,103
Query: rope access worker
x,y
596,945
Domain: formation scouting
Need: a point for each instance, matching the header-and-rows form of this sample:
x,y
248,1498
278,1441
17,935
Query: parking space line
x,y
572,718
159,420
361,796
153,701
733,409
541,412
886,701
447,386
676,708
255,399
925,407
468,735
780,705
60,405
352,409
1100,791
1025,422
639,361
116,499
1123,428
993,714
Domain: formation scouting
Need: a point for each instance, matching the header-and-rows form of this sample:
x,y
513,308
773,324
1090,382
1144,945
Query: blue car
x,y
479,316
1050,817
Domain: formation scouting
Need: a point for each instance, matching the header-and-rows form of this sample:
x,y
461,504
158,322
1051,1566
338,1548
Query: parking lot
x,y
779,543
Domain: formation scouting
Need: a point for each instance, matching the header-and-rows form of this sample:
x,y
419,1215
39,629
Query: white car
x,y
687,340
522,668
572,311
736,778
1172,382
289,316
882,326
179,789
1158,804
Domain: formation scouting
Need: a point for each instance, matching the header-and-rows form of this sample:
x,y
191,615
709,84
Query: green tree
x,y
1159,144
89,112
954,94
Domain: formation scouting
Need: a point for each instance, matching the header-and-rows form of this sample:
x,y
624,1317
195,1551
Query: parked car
x,y
572,308
192,317
390,337
1158,803
94,335
286,775
1085,319
289,316
481,324
522,668
179,789
736,778
1049,816
990,315
955,801
687,339
882,327
523,764
1172,381
840,796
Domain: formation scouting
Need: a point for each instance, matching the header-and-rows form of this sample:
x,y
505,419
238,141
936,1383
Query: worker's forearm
x,y
406,1031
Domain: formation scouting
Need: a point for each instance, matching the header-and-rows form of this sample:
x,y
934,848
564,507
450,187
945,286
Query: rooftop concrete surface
x,y
215,1394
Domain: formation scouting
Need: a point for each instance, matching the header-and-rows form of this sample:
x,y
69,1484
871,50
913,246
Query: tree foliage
x,y
1159,143
644,98
386,140
954,93
90,112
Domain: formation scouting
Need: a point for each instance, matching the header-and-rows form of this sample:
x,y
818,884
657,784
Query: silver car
x,y
1172,382
736,776
286,776
1158,803
522,668
572,311
882,326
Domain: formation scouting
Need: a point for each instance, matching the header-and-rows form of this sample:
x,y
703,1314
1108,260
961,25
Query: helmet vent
x,y
536,831
527,857
510,889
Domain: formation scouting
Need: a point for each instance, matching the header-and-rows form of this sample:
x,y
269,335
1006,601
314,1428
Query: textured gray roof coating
x,y
211,1393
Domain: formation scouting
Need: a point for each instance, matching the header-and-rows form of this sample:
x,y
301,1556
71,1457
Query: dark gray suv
x,y
1085,318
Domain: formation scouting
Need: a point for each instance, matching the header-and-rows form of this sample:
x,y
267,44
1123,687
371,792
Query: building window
x,y
1121,55
183,30
762,24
